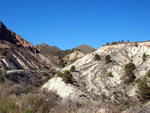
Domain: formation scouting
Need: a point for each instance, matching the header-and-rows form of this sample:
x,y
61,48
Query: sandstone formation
x,y
73,56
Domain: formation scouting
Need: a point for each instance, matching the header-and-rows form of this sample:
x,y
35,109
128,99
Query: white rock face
x,y
95,73
66,91
75,55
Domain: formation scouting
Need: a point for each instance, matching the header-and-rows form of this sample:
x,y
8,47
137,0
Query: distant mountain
x,y
85,49
46,48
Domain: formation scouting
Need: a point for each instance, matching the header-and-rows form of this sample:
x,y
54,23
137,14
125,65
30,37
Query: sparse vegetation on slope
x,y
144,57
72,69
97,57
107,59
144,88
66,76
130,76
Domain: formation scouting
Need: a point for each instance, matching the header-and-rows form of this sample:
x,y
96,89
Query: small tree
x,y
110,74
136,45
143,92
130,76
107,59
113,43
97,57
107,43
4,53
72,69
66,76
62,63
144,57
130,66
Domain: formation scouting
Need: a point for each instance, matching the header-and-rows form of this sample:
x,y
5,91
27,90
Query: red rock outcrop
x,y
8,35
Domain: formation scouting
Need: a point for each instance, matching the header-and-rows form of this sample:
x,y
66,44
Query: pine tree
x,y
143,92
144,57
107,59
72,69
97,57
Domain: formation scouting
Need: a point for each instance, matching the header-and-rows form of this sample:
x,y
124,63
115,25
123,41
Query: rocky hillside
x,y
85,49
108,77
74,56
17,53
8,35
47,49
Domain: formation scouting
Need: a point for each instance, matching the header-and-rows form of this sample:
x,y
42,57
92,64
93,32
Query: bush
x,y
72,69
47,78
110,74
107,43
138,80
113,43
60,74
4,53
107,59
97,57
46,67
83,84
148,74
2,78
130,66
66,76
143,92
103,95
136,45
62,63
130,77
144,57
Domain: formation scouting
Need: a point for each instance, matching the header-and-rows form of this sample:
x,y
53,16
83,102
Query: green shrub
x,y
60,74
130,66
107,59
110,74
143,92
113,43
62,63
103,95
2,77
130,76
83,84
144,57
72,69
97,57
47,78
107,43
66,76
148,74
138,80
136,45
4,53
46,67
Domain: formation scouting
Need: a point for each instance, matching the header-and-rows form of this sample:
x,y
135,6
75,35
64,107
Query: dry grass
x,y
13,99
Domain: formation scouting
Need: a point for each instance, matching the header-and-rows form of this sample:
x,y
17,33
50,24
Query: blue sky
x,y
70,23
